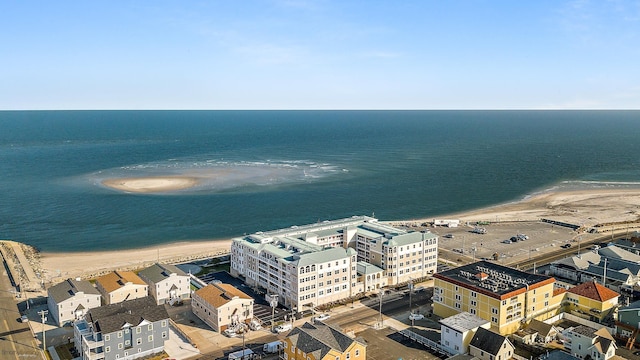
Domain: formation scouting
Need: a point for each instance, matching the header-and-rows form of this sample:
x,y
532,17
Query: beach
x,y
151,184
605,207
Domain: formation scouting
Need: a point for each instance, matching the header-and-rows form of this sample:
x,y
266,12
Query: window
x,y
164,323
150,327
150,338
107,338
120,346
494,311
107,349
164,334
119,334
357,352
138,341
494,319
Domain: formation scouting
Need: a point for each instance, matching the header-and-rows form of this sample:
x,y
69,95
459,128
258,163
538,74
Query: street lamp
x,y
381,293
273,301
410,293
43,316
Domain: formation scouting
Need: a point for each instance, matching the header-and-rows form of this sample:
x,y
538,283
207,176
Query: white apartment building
x,y
315,264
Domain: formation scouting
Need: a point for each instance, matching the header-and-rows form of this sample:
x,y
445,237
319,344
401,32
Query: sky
x,y
322,54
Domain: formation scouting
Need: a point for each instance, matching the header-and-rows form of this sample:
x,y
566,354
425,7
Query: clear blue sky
x,y
325,54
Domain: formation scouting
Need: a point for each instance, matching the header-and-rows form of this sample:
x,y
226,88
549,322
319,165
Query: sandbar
x,y
585,207
151,184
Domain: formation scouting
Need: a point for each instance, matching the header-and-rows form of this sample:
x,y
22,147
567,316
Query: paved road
x,y
16,339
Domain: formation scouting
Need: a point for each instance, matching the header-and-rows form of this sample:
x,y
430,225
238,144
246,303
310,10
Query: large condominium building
x,y
315,264
504,296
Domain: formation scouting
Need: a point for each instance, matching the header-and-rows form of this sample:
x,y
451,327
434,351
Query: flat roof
x,y
463,321
492,279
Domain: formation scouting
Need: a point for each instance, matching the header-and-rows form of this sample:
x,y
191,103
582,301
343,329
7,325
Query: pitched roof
x,y
488,341
117,279
158,272
594,291
220,294
318,339
110,318
540,327
69,288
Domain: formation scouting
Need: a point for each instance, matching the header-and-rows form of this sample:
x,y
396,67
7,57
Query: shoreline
x,y
581,207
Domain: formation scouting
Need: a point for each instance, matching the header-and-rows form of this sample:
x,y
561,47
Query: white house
x,y
167,283
71,299
457,331
222,306
586,341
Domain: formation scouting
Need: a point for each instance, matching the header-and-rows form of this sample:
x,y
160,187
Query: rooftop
x,y
158,272
110,318
319,339
488,341
117,279
220,294
463,321
69,288
594,291
492,279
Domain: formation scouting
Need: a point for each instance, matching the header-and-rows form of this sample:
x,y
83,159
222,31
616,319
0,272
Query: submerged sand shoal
x,y
587,208
151,184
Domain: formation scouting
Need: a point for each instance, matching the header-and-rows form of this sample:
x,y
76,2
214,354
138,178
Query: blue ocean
x,y
288,168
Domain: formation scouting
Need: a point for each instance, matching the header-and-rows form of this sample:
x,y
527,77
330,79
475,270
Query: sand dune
x,y
151,184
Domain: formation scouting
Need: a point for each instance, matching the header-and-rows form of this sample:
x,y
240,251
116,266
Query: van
x,y
283,327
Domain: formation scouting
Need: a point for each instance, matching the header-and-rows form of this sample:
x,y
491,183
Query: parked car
x,y
230,333
566,246
522,237
514,239
255,325
449,236
414,316
322,317
24,319
506,241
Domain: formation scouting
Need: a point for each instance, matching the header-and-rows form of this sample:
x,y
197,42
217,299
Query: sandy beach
x,y
59,266
586,208
151,184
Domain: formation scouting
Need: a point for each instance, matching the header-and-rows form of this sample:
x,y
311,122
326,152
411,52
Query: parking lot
x,y
542,237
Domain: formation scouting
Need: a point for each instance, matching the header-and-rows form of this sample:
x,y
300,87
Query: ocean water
x,y
273,169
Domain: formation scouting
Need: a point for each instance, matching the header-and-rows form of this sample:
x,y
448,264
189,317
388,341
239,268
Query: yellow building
x,y
592,301
321,342
506,297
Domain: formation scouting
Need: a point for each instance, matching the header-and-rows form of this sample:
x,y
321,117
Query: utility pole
x,y
381,293
410,291
244,328
43,316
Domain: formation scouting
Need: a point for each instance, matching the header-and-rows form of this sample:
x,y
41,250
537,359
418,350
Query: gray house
x,y
126,330
71,299
167,283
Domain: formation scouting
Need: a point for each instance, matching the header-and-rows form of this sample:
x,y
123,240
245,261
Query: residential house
x,y
628,323
592,301
127,330
167,283
320,341
457,331
488,345
222,306
586,342
70,300
537,332
119,286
